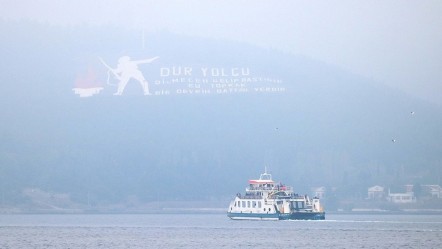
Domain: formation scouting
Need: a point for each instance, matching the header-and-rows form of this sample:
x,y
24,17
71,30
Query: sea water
x,y
217,231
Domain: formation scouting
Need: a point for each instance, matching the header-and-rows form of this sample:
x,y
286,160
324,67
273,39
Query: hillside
x,y
310,123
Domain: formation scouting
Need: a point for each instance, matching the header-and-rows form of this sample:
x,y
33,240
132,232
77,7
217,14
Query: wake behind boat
x,y
265,200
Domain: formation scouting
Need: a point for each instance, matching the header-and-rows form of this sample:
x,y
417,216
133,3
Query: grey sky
x,y
394,42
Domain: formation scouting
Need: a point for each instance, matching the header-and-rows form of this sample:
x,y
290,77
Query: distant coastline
x,y
197,210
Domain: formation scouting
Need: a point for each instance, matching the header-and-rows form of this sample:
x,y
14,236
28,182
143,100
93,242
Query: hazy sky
x,y
397,42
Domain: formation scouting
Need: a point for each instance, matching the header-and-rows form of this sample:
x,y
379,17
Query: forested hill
x,y
220,111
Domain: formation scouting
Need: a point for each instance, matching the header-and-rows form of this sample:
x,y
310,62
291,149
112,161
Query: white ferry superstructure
x,y
265,200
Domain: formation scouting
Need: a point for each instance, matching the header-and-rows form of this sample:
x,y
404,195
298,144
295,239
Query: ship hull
x,y
303,216
253,216
277,216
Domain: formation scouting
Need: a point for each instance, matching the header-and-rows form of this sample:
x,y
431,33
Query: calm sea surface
x,y
217,231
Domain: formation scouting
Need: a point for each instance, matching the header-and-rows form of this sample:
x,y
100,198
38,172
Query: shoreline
x,y
104,211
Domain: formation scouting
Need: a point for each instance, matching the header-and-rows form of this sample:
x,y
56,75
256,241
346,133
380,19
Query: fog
x,y
209,104
397,43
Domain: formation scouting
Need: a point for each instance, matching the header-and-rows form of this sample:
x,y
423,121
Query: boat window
x,y
248,203
254,204
243,204
259,204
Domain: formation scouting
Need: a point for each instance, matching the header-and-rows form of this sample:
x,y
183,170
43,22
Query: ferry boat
x,y
265,200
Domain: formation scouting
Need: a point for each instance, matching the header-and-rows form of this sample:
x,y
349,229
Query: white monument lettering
x,y
204,71
175,71
223,72
194,85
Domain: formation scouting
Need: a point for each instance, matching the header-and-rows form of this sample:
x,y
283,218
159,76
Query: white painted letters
x,y
175,71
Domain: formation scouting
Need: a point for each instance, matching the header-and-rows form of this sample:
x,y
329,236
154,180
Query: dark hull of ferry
x,y
278,216
303,216
253,216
